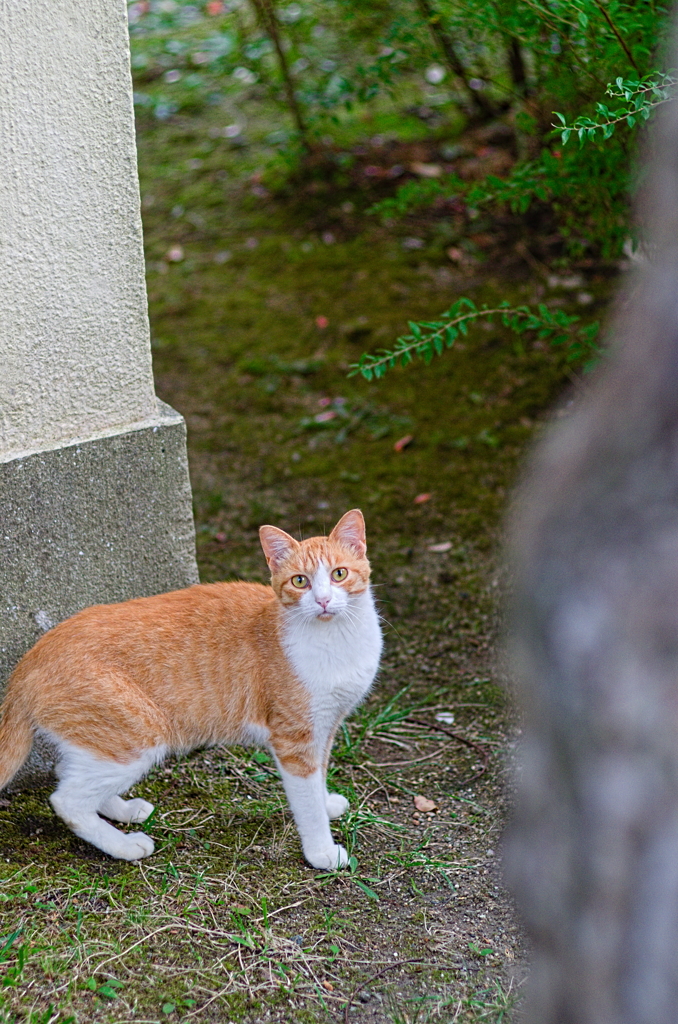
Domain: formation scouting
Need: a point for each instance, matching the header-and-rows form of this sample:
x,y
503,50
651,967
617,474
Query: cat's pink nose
x,y
323,602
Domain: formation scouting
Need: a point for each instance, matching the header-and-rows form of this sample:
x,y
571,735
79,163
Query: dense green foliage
x,y
523,61
539,69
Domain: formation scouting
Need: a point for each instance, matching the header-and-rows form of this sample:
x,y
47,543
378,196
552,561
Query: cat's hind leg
x,y
88,785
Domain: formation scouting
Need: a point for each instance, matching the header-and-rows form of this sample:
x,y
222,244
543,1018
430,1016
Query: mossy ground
x,y
226,922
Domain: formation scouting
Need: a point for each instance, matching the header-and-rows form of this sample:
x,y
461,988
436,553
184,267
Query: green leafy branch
x,y
430,338
525,183
640,97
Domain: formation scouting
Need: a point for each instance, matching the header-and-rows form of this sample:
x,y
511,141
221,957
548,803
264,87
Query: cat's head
x,y
322,575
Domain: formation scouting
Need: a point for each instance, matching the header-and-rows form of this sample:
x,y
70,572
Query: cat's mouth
x,y
325,616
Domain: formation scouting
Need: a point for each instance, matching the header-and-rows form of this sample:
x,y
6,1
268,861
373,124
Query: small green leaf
x,y
366,889
8,942
168,1008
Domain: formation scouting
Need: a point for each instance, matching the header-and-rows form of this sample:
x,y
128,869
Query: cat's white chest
x,y
336,660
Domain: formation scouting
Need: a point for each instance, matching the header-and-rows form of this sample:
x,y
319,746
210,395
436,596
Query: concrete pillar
x,y
95,502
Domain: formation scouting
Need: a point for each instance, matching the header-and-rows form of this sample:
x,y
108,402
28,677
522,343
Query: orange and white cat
x,y
116,687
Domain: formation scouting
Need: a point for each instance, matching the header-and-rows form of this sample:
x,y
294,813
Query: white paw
x,y
138,810
126,811
329,859
336,804
134,846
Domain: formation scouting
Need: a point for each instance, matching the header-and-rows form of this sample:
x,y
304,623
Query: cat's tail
x,y
16,737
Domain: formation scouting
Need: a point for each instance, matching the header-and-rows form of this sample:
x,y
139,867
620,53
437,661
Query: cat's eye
x,y
339,574
299,581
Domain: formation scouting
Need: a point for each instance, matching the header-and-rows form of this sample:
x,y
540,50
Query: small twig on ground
x,y
483,754
531,260
414,760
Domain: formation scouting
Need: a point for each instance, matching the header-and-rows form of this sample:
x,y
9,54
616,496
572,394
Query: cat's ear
x,y
350,531
277,545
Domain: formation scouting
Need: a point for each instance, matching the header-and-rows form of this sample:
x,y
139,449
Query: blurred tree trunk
x,y
593,850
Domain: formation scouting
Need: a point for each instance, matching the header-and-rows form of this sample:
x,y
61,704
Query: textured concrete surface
x,y
92,523
95,501
74,339
109,519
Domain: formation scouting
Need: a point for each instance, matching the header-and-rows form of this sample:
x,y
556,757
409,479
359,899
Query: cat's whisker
x,y
382,618
352,616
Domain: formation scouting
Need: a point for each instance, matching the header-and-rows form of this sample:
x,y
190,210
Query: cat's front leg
x,y
307,798
335,803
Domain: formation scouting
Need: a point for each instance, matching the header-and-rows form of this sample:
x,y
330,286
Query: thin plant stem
x,y
454,62
266,16
617,34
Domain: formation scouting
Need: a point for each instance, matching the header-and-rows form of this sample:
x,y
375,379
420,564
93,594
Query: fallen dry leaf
x,y
327,985
422,803
403,442
426,170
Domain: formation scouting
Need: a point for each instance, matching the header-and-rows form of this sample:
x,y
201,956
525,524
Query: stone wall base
x,y
91,523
